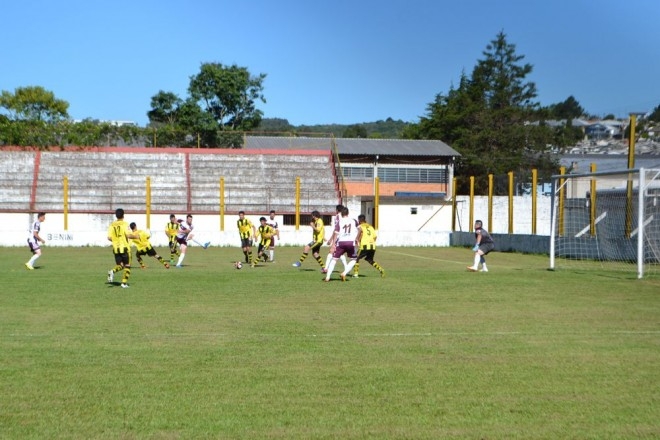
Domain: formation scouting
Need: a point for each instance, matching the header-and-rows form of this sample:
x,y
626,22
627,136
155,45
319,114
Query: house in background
x,y
405,168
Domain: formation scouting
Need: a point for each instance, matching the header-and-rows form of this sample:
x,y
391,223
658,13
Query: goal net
x,y
608,220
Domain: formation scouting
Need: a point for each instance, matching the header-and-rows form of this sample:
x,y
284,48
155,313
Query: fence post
x,y
376,201
534,195
65,192
592,203
222,204
471,203
490,202
453,205
510,202
297,203
562,196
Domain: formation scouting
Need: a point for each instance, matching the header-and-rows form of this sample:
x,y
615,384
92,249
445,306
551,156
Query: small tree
x,y
229,93
34,103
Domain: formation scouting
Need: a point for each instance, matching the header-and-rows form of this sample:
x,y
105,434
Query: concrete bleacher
x,y
269,180
103,179
16,179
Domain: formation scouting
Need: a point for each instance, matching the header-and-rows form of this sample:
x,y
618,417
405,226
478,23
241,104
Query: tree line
x,y
487,117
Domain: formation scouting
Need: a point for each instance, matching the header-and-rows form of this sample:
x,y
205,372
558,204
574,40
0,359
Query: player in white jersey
x,y
345,239
184,236
34,239
270,221
335,220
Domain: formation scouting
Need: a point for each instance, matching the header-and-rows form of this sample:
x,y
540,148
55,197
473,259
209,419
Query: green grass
x,y
431,351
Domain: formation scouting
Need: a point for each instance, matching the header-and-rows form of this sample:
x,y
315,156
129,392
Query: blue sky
x,y
341,61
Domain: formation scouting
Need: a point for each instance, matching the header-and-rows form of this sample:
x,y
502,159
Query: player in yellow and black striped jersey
x,y
265,232
119,234
318,236
144,247
367,246
247,232
171,229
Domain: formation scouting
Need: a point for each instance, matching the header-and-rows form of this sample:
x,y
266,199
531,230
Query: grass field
x,y
430,351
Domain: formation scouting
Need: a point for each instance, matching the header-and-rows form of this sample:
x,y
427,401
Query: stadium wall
x,y
429,225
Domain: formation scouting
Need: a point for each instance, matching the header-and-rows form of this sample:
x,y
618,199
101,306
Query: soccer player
x,y
335,220
171,229
265,232
34,239
345,238
367,246
118,235
144,247
246,231
318,235
482,247
183,236
276,227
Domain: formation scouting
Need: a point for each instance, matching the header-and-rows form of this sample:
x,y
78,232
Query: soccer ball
x,y
238,265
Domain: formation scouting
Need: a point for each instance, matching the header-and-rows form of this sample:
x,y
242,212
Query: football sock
x,y
33,259
331,267
303,256
320,261
356,268
343,260
349,266
477,257
181,257
127,274
377,266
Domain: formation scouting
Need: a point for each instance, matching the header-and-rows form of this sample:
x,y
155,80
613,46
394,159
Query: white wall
x,y
431,225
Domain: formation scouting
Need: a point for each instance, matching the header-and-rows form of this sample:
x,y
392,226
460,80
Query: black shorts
x,y
367,254
246,242
122,258
315,246
148,251
486,247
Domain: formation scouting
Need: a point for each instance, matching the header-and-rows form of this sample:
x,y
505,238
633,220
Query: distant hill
x,y
388,129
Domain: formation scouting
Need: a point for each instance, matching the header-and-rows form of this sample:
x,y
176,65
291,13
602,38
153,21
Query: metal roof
x,y
347,146
581,163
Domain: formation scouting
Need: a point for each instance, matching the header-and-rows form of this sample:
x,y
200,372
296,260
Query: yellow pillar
x,y
471,203
222,204
65,191
534,199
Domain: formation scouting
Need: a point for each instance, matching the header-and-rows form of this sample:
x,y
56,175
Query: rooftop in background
x,y
354,146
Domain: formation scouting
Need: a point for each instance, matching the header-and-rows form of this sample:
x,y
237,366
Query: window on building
x,y
396,174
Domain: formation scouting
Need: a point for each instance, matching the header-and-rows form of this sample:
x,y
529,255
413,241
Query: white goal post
x,y
607,220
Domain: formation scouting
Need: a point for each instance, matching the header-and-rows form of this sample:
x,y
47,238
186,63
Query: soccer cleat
x,y
324,270
382,274
124,286
142,266
167,265
472,268
343,277
356,275
485,269
171,260
28,266
296,264
178,266
111,276
207,244
325,280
